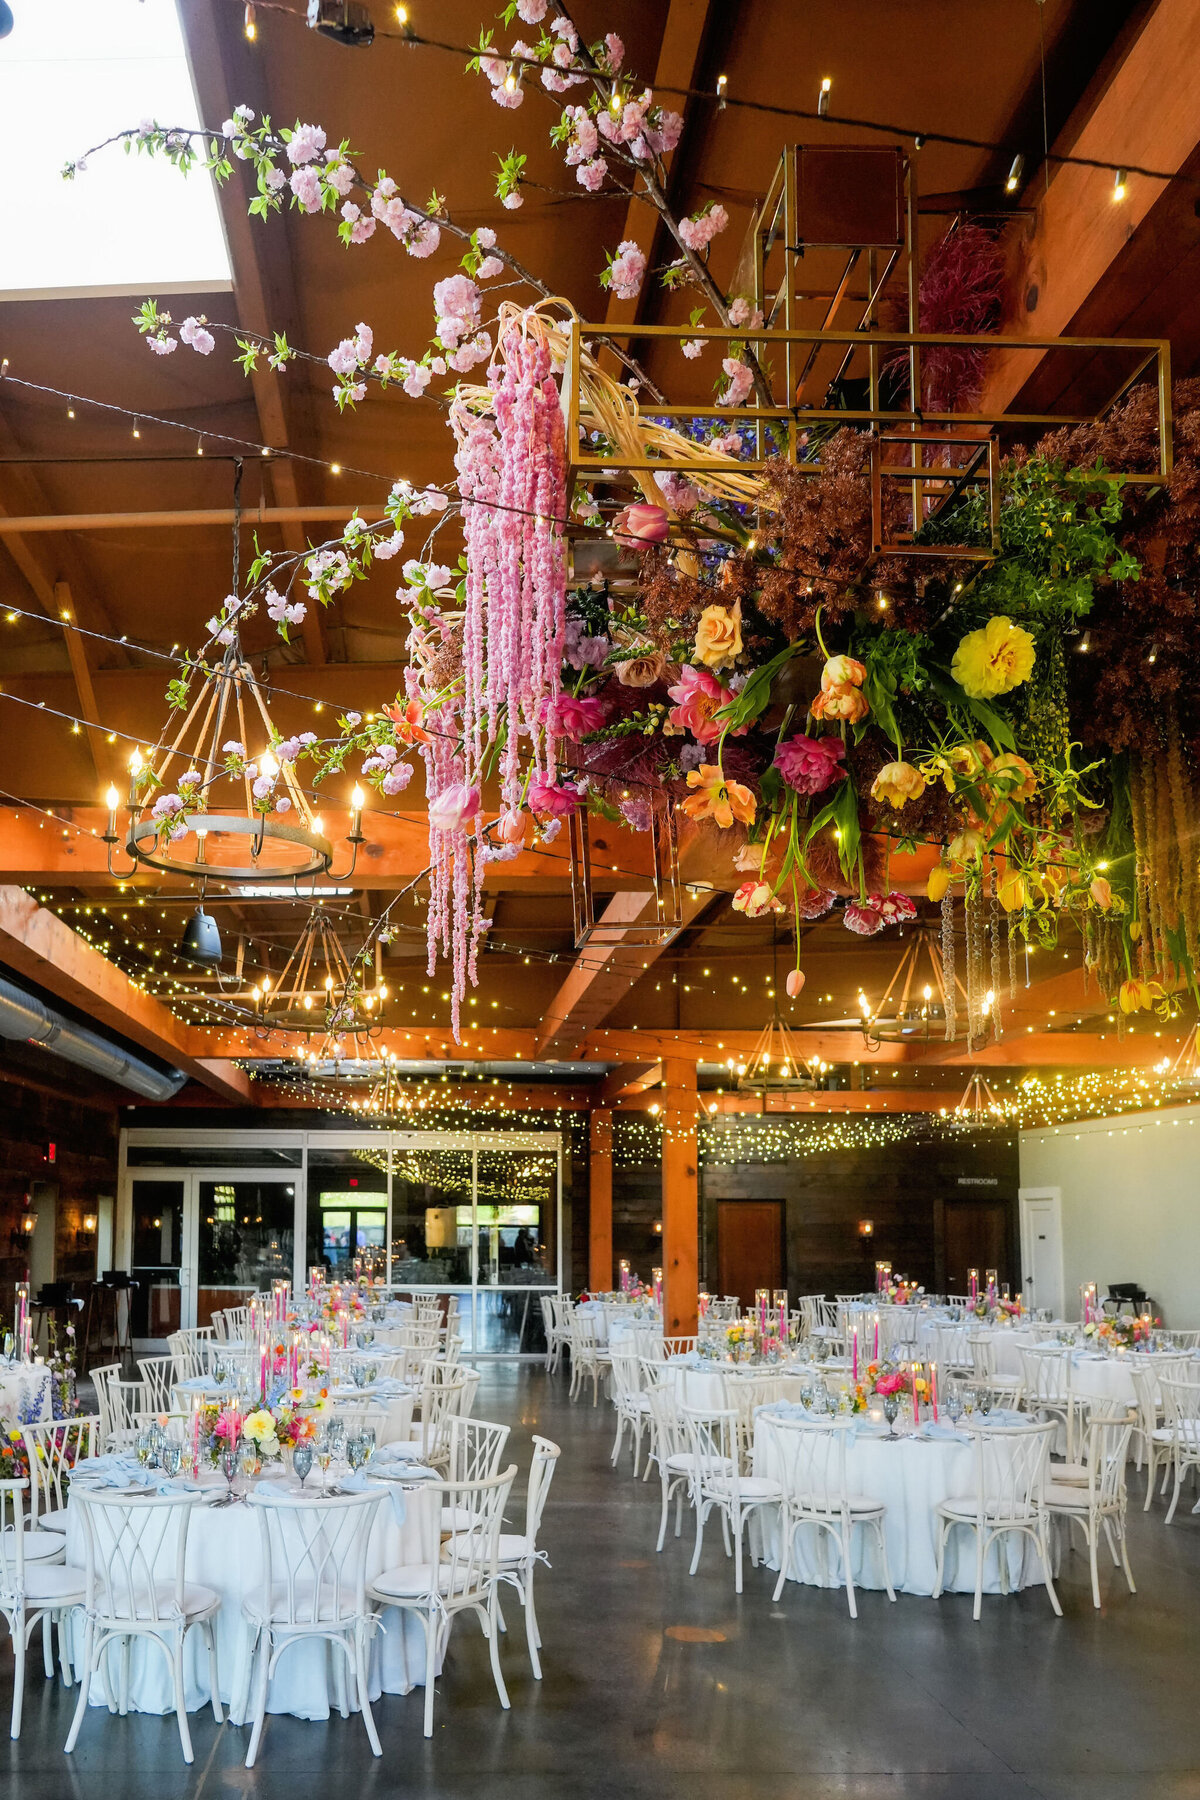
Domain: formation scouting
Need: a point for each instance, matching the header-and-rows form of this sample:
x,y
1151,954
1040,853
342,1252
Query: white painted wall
x,y
1130,1203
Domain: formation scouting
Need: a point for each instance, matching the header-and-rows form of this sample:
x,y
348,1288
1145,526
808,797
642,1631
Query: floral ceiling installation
x,y
1030,711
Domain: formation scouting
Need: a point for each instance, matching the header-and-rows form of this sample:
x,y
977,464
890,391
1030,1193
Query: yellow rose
x,y
898,782
994,659
718,636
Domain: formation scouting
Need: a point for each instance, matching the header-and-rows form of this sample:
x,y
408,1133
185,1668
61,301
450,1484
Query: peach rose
x,y
842,671
844,701
718,636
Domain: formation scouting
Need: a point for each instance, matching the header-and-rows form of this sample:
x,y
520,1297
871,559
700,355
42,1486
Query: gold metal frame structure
x,y
667,918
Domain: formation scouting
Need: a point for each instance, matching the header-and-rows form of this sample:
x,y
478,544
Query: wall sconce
x,y
84,1236
19,1237
658,1227
866,1228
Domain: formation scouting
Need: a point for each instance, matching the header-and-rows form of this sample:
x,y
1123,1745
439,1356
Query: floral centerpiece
x,y
902,1293
1122,1333
996,1312
273,1429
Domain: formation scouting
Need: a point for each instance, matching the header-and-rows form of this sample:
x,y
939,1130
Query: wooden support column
x,y
680,1194
600,1195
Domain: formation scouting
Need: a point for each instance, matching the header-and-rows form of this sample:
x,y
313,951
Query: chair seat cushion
x,y
44,1546
49,1584
749,1487
198,1601
1072,1473
1066,1498
412,1581
854,1503
964,1508
684,1463
306,1606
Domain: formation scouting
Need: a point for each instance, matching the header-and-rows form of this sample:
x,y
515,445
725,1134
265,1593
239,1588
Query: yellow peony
x,y
718,636
994,659
898,783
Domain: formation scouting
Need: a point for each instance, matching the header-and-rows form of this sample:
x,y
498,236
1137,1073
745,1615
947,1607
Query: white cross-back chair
x,y
442,1394
670,1453
951,1350
589,1358
190,1348
116,1402
1046,1391
717,1482
629,1402
1098,1505
517,1553
463,1578
811,1459
53,1448
475,1449
1181,1410
984,1371
312,1584
29,1592
159,1376
136,1586
1008,1501
1153,1438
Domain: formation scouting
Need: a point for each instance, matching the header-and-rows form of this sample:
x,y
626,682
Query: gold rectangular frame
x,y
668,896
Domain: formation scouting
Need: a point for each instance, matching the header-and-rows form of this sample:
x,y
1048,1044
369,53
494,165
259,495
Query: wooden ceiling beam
x,y
35,943
1143,113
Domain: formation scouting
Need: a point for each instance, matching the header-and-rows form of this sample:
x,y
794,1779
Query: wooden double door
x,y
751,1247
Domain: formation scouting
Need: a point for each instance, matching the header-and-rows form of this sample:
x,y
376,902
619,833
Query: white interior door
x,y
1042,1248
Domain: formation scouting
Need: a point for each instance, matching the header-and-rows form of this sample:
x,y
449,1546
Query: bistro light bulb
x,y
267,765
113,798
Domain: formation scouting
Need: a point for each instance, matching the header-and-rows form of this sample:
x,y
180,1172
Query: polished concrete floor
x,y
659,1685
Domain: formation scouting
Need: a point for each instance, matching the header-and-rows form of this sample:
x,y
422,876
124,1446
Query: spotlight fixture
x,y
344,21
201,940
1015,174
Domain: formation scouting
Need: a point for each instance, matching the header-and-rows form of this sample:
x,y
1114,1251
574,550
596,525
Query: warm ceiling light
x,y
1014,175
249,24
1119,185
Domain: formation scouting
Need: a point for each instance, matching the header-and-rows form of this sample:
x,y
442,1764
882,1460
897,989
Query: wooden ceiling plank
x,y
260,307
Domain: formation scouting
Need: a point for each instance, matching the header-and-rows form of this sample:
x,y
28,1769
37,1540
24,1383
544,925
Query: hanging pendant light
x,y
201,940
978,1106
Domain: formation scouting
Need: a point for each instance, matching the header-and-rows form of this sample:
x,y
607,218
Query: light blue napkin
x,y
942,1434
356,1483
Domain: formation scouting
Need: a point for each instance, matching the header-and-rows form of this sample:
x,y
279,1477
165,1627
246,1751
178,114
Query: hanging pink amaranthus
x,y
512,477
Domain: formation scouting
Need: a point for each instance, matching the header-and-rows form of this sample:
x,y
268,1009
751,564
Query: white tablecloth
x,y
910,1476
24,1393
612,1326
224,1554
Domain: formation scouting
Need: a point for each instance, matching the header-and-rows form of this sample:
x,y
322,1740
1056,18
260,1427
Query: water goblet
x,y
228,1461
247,1458
954,1404
891,1407
985,1401
302,1460
366,1438
171,1458
356,1451
969,1402
142,1447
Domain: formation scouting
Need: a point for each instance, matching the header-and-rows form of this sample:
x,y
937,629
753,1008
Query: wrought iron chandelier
x,y
912,1009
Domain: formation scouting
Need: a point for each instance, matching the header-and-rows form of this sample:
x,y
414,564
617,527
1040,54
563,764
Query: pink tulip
x,y
648,524
453,807
795,982
510,827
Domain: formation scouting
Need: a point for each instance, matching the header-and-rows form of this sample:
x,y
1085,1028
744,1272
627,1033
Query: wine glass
x,y
142,1447
356,1451
954,1404
366,1438
985,1401
228,1461
220,1372
302,1460
247,1458
171,1457
324,1450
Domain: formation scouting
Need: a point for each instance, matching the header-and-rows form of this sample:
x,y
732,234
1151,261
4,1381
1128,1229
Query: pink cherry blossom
x,y
741,382
615,49
626,271
531,12
489,268
692,347
485,238
397,778
513,201
306,142
163,346
306,186
590,175
193,333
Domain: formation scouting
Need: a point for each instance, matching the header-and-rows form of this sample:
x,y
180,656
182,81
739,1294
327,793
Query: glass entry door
x,y
158,1299
245,1237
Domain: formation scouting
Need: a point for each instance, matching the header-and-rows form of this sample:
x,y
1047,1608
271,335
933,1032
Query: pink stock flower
x,y
810,765
558,798
697,696
453,807
648,524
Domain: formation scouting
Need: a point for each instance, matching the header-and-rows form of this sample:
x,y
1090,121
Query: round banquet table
x,y
909,1476
395,1398
224,1554
612,1326
24,1393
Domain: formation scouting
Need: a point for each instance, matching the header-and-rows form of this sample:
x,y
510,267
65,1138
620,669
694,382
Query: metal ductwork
x,y
24,1016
